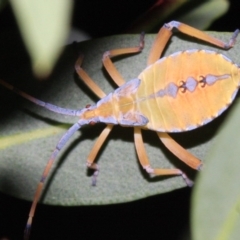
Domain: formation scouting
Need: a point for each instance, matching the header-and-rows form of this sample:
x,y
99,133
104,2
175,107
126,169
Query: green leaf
x,y
121,177
197,13
216,198
44,26
205,13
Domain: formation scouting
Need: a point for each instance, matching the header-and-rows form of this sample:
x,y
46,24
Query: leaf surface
x,y
216,198
121,177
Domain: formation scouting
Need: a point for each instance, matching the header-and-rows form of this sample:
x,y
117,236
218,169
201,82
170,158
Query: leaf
x,y
121,177
44,26
204,14
216,198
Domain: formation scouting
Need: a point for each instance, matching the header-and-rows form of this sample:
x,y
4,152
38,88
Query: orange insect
x,y
173,94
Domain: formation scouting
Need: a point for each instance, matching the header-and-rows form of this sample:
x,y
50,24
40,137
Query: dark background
x,y
106,17
165,216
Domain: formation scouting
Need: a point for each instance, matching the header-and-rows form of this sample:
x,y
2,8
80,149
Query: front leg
x,y
110,67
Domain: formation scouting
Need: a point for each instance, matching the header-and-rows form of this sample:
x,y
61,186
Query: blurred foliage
x,y
216,198
45,27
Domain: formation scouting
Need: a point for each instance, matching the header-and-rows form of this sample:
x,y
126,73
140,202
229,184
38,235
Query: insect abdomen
x,y
186,89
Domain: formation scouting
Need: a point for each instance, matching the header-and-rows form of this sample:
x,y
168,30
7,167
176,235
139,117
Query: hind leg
x,y
159,44
166,32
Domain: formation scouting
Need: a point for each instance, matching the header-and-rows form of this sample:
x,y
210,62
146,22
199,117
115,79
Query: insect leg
x,y
108,64
179,151
166,32
97,146
118,79
104,134
141,151
86,79
143,158
48,167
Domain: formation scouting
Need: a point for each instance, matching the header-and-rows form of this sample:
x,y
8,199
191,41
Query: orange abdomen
x,y
186,89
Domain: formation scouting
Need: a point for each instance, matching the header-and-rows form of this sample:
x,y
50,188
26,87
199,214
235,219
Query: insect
x,y
176,93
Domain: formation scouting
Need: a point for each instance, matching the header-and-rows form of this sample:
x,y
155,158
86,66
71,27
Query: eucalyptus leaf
x,y
205,13
44,26
121,177
216,198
